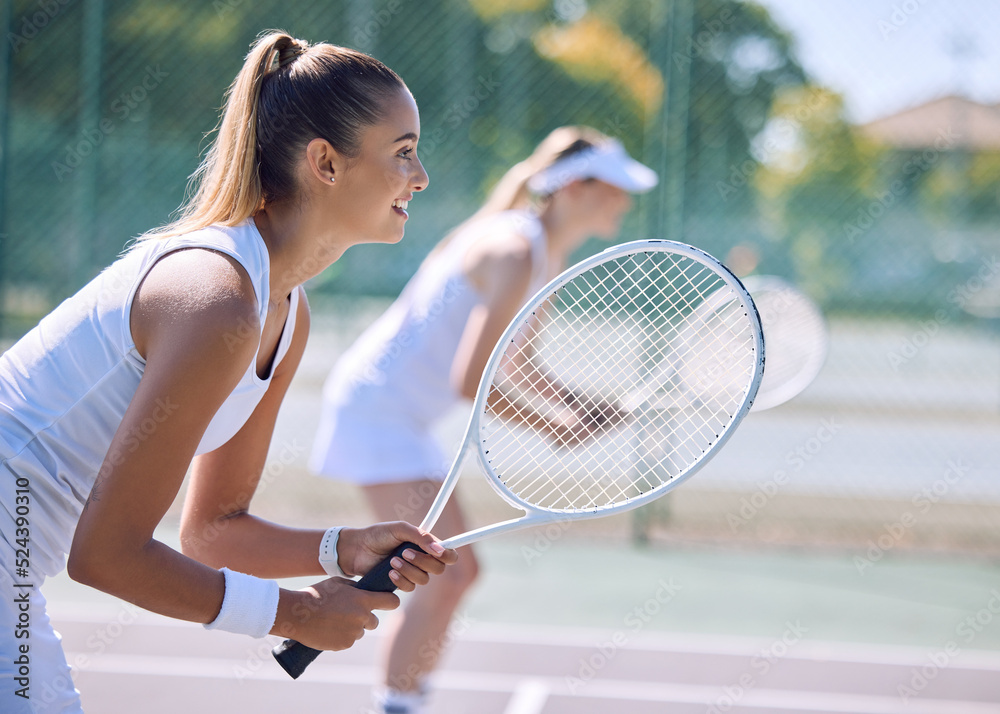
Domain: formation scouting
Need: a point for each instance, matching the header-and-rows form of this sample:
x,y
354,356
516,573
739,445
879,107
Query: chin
x,y
388,236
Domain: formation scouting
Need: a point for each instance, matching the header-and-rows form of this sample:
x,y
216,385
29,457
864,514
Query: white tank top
x,y
65,386
402,364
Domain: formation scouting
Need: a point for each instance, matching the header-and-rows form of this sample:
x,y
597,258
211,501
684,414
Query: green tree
x,y
816,187
491,79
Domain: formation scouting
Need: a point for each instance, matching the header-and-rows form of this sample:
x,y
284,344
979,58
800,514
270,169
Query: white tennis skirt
x,y
359,447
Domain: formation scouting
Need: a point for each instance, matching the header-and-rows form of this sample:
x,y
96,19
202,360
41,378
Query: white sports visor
x,y
608,162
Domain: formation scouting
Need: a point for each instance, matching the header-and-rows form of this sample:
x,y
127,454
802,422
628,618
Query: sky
x,y
886,56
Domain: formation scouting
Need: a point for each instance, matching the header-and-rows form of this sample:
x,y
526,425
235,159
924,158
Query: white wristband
x,y
328,553
249,606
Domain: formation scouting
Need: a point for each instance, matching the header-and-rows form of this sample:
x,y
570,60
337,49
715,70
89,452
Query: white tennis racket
x,y
613,385
796,335
794,330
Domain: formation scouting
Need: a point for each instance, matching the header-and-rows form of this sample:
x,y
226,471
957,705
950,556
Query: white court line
x,y
772,700
529,697
730,645
651,641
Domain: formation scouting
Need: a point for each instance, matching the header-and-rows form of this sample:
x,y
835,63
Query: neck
x,y
563,235
298,249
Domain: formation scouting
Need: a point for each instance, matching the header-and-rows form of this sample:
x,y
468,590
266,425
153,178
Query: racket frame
x,y
295,657
770,395
536,515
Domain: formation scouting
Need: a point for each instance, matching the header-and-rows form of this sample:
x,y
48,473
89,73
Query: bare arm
x,y
187,305
184,317
217,527
501,270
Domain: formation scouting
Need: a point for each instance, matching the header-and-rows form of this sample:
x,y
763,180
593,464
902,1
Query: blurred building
x,y
965,124
940,173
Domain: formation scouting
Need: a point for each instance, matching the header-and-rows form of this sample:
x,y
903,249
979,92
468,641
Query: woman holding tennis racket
x,y
179,354
429,350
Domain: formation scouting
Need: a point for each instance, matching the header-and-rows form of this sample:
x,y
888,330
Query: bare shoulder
x,y
500,260
196,295
505,245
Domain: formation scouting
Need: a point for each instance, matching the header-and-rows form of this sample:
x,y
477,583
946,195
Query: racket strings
x,y
603,495
563,439
629,301
560,321
701,282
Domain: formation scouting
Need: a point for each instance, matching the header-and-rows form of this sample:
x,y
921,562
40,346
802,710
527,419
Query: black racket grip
x,y
294,656
377,579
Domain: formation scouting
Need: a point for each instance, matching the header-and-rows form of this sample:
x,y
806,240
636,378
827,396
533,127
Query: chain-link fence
x,y
890,224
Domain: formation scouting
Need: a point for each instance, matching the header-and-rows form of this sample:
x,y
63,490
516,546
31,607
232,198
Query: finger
x,y
379,601
330,585
371,623
401,582
423,562
431,546
412,572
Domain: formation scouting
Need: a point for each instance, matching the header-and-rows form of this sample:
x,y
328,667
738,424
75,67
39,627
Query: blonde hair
x,y
511,191
287,93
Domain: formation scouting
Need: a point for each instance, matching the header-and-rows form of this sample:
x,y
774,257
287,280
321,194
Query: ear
x,y
323,161
571,192
576,187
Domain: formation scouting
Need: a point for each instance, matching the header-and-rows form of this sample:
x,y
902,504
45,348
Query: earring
x,y
332,179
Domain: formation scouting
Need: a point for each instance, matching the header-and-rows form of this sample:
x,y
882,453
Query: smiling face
x,y
373,188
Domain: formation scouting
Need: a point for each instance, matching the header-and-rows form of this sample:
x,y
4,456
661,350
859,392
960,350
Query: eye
x,y
406,153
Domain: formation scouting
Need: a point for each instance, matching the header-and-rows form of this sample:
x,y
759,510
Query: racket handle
x,y
294,656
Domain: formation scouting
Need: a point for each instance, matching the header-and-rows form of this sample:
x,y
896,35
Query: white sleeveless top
x,y
402,364
394,382
65,386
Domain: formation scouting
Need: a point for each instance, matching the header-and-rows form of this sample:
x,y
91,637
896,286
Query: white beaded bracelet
x,y
249,607
328,557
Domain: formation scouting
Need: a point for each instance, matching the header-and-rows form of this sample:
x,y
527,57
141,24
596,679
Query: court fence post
x,y
86,190
670,28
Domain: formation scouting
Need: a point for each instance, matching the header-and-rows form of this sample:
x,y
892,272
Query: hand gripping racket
x,y
613,385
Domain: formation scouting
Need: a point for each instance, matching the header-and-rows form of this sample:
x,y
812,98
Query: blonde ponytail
x,y
511,191
286,94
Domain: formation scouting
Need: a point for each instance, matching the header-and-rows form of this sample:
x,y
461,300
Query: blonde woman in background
x,y
178,355
428,352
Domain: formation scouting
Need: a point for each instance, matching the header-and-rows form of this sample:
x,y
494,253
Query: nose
x,y
420,179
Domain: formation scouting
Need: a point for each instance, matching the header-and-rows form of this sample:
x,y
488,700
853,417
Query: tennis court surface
x,y
694,630
811,603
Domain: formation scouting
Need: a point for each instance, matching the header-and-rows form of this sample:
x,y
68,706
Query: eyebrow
x,y
406,137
